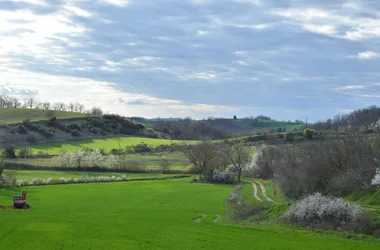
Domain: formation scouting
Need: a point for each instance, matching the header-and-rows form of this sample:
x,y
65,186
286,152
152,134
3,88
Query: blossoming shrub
x,y
223,177
330,212
376,178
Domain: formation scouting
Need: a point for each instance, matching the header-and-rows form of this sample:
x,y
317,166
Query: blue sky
x,y
285,59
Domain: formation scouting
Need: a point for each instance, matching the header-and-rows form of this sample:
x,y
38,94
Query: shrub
x,y
74,126
223,177
376,179
309,133
317,210
9,152
35,181
22,129
75,133
23,153
31,139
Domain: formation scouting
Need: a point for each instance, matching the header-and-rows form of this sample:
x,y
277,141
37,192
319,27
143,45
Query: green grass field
x,y
17,115
106,144
143,215
146,161
56,175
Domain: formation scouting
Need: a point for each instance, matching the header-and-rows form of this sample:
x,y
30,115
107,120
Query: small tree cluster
x,y
208,157
79,159
335,167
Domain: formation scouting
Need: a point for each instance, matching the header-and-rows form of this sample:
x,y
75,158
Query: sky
x,y
200,58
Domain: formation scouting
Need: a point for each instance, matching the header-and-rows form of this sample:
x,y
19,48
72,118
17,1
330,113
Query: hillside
x,y
219,128
18,115
68,129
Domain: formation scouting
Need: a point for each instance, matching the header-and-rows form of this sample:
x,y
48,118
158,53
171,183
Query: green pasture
x,y
17,115
106,144
56,175
143,215
177,161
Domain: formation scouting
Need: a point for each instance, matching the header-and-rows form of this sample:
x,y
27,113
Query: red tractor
x,y
20,201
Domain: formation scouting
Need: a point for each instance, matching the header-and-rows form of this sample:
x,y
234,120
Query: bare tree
x,y
203,156
164,165
30,103
79,107
71,107
238,153
45,105
59,106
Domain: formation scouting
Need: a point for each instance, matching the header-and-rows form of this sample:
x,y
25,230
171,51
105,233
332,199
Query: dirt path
x,y
199,219
264,192
217,218
255,192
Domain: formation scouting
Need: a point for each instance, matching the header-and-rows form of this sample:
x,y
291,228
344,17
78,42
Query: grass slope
x,y
56,175
177,160
17,115
142,215
106,144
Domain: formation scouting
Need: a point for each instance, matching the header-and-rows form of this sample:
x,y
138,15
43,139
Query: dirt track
x,y
264,192
255,192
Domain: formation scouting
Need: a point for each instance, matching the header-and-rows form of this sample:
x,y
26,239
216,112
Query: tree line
x,y
351,121
32,103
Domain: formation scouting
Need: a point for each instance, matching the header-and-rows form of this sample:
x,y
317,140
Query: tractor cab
x,y
19,201
17,198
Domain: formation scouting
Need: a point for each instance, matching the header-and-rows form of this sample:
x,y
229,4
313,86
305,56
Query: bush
x,y
376,179
22,129
31,139
75,133
223,177
9,152
74,127
309,133
23,153
321,211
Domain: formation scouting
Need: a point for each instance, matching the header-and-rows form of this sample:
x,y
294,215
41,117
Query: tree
x,y
95,111
203,156
238,154
45,105
59,106
30,103
235,118
164,165
9,152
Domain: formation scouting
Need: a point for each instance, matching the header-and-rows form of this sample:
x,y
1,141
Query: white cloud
x,y
202,32
350,87
242,63
365,55
321,29
78,11
254,2
35,2
37,35
98,93
338,23
351,5
119,3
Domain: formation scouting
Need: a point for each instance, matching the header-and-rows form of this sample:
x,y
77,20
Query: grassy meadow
x,y
17,115
144,161
143,215
56,175
106,144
